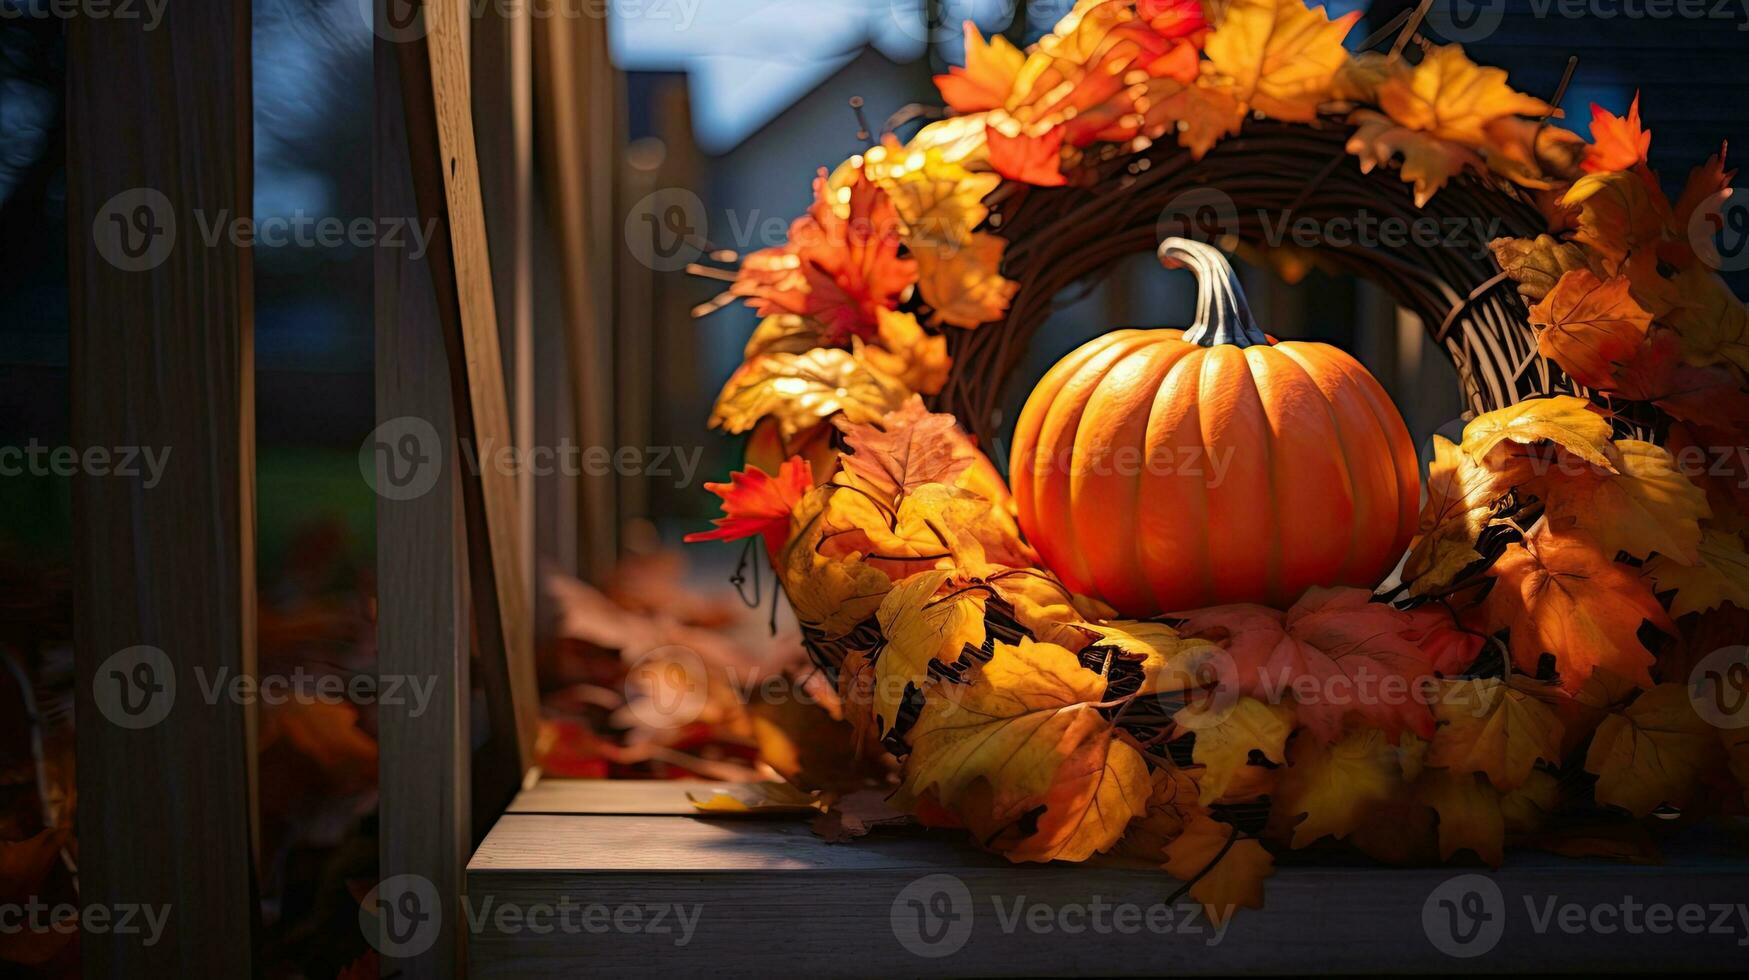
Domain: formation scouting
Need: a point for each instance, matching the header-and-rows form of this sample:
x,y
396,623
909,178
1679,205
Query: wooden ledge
x,y
620,878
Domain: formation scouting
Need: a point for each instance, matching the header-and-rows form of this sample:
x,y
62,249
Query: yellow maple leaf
x,y
738,799
1536,264
1645,505
1720,575
1462,492
1469,813
1488,727
939,200
1359,78
1227,735
921,627
1618,214
831,593
1333,786
1225,869
1652,753
799,390
1280,56
1026,732
1565,420
784,333
1712,323
988,76
1453,98
1428,162
918,361
1170,663
1590,326
1202,114
961,281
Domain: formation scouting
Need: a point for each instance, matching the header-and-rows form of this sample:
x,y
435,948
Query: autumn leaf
x,y
1027,158
1561,595
1704,183
1720,575
1462,492
906,449
784,333
939,200
1644,505
1618,214
1334,786
1027,727
1652,753
1618,142
801,390
830,593
1225,737
961,282
1537,264
1589,326
988,76
1533,154
1488,727
1711,321
918,361
1469,813
1428,162
1453,98
758,799
1225,869
1565,420
921,627
755,502
1280,57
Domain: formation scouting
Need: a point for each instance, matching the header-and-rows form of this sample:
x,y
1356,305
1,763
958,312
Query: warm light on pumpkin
x,y
1166,470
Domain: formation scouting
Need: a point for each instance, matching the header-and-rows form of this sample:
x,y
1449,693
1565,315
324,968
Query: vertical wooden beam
x,y
158,145
446,182
422,610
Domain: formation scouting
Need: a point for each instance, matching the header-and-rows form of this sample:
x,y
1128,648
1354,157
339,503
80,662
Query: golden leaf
x,y
938,200
1226,870
1721,575
1028,728
1453,98
1618,214
1428,161
1653,753
742,799
1280,56
1487,727
1536,264
962,282
784,333
831,593
1226,737
1359,78
988,76
1710,320
1564,420
1647,505
799,390
1334,786
921,628
1469,813
1462,492
1203,114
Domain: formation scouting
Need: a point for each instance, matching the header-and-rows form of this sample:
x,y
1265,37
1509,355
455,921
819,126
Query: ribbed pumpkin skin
x,y
1160,475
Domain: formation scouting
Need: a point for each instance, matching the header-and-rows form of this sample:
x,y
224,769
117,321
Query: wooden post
x,y
422,582
159,152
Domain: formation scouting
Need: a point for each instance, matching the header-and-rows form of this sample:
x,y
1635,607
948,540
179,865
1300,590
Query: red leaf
x,y
1618,143
1035,160
755,502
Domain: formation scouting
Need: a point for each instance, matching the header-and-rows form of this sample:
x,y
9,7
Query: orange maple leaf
x,y
1561,595
755,502
988,77
1588,326
1618,142
907,449
1035,160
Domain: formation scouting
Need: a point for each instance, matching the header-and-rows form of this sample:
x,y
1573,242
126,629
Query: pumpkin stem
x,y
1222,316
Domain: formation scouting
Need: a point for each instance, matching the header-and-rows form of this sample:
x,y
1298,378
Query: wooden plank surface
x,y
649,797
746,897
446,179
422,593
159,139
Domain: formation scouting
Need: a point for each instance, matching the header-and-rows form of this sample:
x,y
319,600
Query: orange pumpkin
x,y
1166,470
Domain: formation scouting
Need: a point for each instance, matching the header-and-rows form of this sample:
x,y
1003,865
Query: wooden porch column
x,y
158,152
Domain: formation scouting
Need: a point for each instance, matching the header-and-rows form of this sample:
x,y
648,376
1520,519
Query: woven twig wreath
x,y
1579,562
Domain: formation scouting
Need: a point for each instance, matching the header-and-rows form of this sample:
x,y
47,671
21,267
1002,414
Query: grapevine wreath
x,y
1196,672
